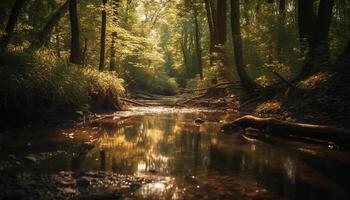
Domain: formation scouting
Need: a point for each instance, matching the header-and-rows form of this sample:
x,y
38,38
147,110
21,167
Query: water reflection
x,y
224,166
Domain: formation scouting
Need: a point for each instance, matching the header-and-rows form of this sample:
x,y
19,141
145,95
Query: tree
x,y
212,28
306,22
76,53
320,41
46,31
112,63
314,34
103,36
221,22
246,82
198,42
16,9
280,27
216,16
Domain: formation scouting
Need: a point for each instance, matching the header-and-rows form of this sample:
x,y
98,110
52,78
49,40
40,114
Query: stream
x,y
161,153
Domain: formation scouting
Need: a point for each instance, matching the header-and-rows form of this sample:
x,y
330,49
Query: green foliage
x,y
38,86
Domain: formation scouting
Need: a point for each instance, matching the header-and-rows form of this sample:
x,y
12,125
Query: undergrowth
x,y
39,87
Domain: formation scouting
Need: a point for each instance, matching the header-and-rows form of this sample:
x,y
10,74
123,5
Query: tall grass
x,y
38,86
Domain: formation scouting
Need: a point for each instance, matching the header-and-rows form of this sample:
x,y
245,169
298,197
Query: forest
x,y
174,99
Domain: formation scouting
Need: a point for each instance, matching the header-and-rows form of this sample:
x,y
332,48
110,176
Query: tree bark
x,y
103,36
112,63
16,9
320,44
46,31
76,53
281,28
211,25
246,82
221,21
198,42
306,23
314,34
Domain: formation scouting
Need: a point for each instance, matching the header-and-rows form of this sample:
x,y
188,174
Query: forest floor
x,y
322,98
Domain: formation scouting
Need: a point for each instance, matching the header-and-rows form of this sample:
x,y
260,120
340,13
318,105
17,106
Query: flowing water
x,y
197,161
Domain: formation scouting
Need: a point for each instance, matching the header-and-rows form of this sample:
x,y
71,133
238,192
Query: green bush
x,y
37,86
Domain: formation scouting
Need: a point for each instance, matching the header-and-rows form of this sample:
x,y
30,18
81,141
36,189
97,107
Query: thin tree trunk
x,y
246,82
198,43
16,9
46,31
281,28
103,36
76,53
211,29
112,62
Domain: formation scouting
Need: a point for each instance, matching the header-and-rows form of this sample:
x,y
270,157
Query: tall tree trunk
x,y
282,6
320,44
46,31
184,43
198,42
246,82
103,36
75,54
16,9
221,21
281,28
2,15
306,23
112,63
211,24
316,34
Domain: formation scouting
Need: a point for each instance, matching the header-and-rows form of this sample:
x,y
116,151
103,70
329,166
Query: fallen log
x,y
281,128
132,102
209,88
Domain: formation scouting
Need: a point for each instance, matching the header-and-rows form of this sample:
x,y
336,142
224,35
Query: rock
x,y
68,190
31,159
84,182
80,117
67,183
12,157
80,114
199,121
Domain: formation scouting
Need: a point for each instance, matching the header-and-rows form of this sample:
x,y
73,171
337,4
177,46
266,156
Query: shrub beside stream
x,y
37,87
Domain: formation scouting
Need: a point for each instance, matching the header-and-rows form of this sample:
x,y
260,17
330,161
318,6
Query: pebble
x,y
31,159
199,121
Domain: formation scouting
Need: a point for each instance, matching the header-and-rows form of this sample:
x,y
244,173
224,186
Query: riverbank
x,y
37,88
